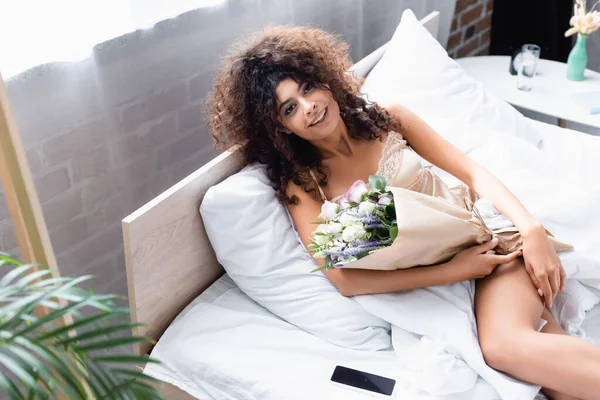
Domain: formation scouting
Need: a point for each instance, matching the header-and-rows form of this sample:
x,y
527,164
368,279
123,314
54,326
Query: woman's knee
x,y
493,352
504,350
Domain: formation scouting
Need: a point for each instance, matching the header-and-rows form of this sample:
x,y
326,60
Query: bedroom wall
x,y
594,52
105,135
593,46
471,28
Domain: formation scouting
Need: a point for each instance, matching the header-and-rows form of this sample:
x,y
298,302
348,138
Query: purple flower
x,y
371,243
350,217
374,225
357,247
353,252
366,219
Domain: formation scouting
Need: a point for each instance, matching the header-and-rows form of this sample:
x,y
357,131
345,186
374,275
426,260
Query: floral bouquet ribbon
x,y
405,228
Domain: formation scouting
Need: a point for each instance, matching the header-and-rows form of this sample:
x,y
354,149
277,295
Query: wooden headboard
x,y
169,259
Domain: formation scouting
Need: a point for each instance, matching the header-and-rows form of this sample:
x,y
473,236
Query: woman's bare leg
x,y
508,310
554,328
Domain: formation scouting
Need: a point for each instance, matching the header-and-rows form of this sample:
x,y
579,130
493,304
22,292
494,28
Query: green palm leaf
x,y
44,358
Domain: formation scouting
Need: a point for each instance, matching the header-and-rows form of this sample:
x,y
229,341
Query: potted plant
x,y
43,358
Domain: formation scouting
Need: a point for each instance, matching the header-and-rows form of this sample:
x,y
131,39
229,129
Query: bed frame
x,y
169,259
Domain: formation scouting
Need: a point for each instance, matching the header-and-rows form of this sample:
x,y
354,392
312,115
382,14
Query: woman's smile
x,y
322,116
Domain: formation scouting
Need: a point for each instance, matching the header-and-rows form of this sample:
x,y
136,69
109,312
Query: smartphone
x,y
363,380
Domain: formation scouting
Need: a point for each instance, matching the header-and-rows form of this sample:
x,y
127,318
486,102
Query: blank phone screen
x,y
363,380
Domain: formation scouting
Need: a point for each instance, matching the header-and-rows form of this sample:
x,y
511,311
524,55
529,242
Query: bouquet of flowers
x,y
404,229
362,221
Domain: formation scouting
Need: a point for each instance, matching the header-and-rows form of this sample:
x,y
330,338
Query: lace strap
x,y
312,174
391,156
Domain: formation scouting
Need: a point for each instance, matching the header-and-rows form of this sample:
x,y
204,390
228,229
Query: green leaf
x,y
328,265
100,332
9,388
393,232
377,182
104,380
21,371
27,359
390,211
58,313
77,324
145,392
9,277
65,370
48,282
27,305
141,390
31,277
51,304
109,343
135,374
382,233
41,356
125,359
6,259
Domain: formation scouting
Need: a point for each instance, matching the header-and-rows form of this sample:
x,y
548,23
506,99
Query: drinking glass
x,y
530,54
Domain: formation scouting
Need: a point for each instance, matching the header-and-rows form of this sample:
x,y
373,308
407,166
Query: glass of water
x,y
530,54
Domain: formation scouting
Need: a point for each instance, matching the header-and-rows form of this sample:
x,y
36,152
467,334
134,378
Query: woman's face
x,y
305,110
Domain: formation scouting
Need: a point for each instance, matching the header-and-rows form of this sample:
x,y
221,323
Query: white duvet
x,y
232,348
433,330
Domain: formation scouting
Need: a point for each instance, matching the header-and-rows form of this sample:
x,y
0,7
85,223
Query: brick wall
x,y
471,28
105,135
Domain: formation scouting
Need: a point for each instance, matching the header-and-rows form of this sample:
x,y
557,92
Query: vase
x,y
577,60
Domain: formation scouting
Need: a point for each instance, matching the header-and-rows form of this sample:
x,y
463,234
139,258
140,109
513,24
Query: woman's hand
x,y
543,265
478,261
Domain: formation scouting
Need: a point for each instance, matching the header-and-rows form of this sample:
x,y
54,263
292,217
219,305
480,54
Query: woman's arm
x,y
441,153
540,258
468,264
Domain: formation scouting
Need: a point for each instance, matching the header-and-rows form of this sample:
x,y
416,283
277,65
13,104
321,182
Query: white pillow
x,y
253,238
416,71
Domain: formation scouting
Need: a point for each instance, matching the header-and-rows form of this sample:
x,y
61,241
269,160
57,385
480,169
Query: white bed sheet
x,y
575,154
226,346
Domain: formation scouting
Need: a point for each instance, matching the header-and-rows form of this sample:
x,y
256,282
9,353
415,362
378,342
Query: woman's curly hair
x,y
242,109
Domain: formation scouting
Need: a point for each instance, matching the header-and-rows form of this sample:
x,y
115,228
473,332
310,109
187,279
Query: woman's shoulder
x,y
308,192
293,189
396,109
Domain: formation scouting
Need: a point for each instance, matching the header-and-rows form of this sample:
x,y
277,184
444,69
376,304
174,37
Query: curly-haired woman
x,y
287,97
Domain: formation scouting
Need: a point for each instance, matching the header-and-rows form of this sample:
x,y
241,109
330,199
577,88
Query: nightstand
x,y
552,92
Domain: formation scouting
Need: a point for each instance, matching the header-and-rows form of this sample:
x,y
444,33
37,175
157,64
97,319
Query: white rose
x,y
346,219
329,210
366,208
331,228
353,232
334,228
344,204
357,190
322,239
